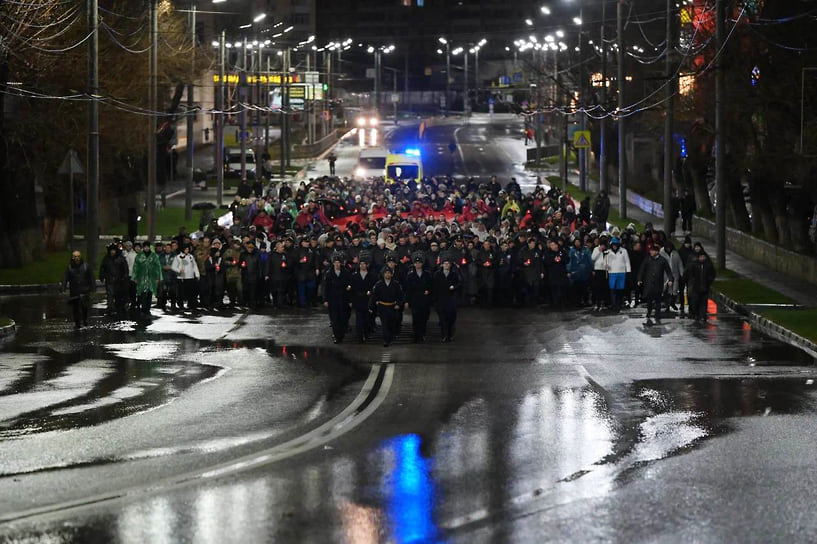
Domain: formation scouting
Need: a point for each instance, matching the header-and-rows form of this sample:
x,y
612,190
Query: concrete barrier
x,y
760,251
315,149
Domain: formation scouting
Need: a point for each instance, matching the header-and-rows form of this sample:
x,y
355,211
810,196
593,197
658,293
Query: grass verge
x,y
4,322
579,195
168,221
802,322
745,291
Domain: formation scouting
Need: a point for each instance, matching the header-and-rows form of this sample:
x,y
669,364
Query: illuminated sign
x,y
274,79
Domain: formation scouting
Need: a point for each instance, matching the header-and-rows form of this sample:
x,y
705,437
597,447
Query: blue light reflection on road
x,y
409,491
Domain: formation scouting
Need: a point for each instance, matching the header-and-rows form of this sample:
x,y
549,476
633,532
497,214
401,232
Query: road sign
x,y
370,73
581,139
70,164
311,78
395,98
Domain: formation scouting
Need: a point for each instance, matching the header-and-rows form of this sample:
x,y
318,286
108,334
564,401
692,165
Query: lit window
x,y
420,3
406,3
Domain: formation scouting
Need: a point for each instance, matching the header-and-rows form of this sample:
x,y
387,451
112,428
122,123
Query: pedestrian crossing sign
x,y
581,139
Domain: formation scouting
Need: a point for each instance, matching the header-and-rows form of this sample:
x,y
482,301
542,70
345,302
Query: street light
x,y
447,73
260,17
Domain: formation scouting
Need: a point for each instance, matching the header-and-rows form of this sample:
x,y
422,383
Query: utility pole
x,y
265,102
92,228
582,152
465,87
191,119
258,105
242,114
720,148
603,120
669,147
447,78
220,109
377,81
622,153
153,109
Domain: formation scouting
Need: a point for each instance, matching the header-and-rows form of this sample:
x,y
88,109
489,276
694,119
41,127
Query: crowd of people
x,y
382,250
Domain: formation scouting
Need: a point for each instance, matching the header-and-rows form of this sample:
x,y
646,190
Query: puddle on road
x,y
45,386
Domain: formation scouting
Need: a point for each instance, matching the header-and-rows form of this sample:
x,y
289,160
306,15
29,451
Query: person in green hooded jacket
x,y
147,273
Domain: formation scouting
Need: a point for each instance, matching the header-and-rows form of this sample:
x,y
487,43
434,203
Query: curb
x,y
767,326
29,289
36,288
8,330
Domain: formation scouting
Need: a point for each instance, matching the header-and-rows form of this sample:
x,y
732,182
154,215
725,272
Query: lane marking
x,y
368,400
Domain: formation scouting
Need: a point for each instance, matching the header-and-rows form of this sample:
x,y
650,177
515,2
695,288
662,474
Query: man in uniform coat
x,y
556,259
487,262
418,295
337,293
651,279
386,300
279,272
307,270
530,272
447,285
363,282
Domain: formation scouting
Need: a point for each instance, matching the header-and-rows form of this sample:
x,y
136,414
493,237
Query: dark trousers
x,y
144,300
217,299
306,292
168,292
419,320
557,292
698,304
250,292
339,314
363,321
653,305
600,287
279,292
686,222
447,313
206,291
79,306
389,321
186,293
579,289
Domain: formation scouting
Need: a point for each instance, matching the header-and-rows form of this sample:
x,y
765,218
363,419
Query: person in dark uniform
x,y
251,273
279,271
504,272
363,282
447,285
419,285
651,277
530,272
337,293
487,263
387,297
556,259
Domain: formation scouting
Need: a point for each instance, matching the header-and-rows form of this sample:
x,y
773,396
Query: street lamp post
x,y
191,119
447,74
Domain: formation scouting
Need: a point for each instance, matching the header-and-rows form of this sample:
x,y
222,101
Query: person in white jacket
x,y
187,271
617,264
599,280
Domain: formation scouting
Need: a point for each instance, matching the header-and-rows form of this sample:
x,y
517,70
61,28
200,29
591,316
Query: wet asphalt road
x,y
533,426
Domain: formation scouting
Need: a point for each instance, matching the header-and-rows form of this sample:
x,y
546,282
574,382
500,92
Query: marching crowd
x,y
381,250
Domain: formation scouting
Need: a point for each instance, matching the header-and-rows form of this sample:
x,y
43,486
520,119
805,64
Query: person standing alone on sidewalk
x,y
79,280
332,158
